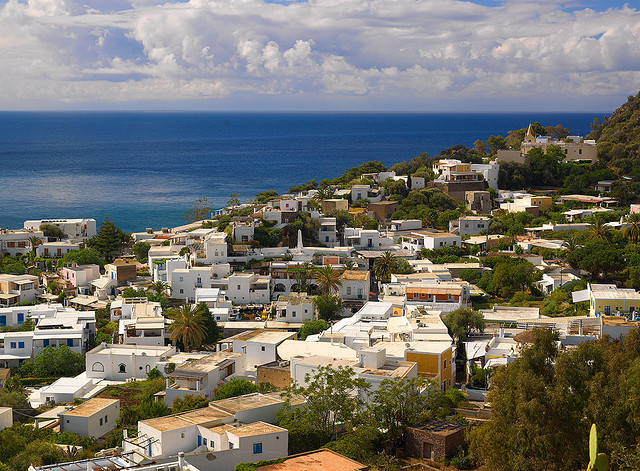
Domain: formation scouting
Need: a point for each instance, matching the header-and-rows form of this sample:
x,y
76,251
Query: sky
x,y
351,55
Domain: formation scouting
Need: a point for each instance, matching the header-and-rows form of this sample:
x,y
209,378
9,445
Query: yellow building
x,y
610,300
435,360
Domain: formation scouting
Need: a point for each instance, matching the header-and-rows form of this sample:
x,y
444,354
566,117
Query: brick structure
x,y
383,210
457,189
435,440
277,373
479,201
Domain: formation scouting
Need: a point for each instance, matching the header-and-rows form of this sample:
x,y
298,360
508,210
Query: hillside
x,y
618,138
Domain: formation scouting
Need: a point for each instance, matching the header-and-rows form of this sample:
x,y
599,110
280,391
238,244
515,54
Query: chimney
x,y
181,461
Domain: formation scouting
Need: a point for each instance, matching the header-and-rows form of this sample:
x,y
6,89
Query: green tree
x,y
327,279
383,267
54,361
52,232
235,387
328,306
402,402
213,330
159,287
83,257
311,328
109,240
200,209
632,233
461,322
141,251
13,399
335,399
188,402
189,326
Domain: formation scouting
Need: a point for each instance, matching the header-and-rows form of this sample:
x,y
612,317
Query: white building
x,y
296,308
17,242
16,289
200,377
249,288
405,224
56,249
355,285
328,233
361,238
74,228
132,308
489,172
121,362
15,347
214,298
469,225
162,260
419,240
259,346
359,192
65,390
94,418
243,229
185,281
6,417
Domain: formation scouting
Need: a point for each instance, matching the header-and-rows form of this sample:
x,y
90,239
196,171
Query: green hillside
x,y
618,138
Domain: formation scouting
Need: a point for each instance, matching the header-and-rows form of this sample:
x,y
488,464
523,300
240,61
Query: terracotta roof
x,y
320,460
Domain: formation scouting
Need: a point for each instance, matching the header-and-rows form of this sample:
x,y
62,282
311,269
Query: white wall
x,y
91,426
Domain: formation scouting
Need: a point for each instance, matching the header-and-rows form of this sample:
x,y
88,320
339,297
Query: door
x,y
427,451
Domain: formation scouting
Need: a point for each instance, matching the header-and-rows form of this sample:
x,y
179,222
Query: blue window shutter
x,y
69,342
20,318
257,448
20,344
199,440
3,321
46,342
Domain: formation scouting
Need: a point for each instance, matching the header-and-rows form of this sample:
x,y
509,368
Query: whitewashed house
x,y
121,362
200,377
295,308
74,228
259,346
94,418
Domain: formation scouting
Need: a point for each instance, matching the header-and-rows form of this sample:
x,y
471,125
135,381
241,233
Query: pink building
x,y
80,275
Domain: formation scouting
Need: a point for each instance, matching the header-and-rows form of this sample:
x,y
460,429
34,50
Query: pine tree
x,y
107,241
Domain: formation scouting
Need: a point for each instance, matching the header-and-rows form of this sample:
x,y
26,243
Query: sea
x,y
144,169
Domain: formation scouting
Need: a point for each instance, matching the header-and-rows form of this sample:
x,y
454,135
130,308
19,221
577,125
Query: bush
x,y
235,387
154,374
461,461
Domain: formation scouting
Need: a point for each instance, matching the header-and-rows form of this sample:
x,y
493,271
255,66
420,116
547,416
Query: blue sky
x,y
401,55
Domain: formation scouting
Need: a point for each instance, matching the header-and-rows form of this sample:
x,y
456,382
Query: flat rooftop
x,y
204,416
114,349
209,362
91,407
248,401
354,275
255,429
263,336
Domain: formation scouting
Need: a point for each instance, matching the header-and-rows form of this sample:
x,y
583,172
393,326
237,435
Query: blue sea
x,y
143,169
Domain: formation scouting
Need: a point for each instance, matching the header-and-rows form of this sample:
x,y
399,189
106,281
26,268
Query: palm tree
x,y
599,230
188,326
351,265
34,241
328,279
383,267
633,231
301,274
159,287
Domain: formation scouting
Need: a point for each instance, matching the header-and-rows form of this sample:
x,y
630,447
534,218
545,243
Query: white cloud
x,y
100,51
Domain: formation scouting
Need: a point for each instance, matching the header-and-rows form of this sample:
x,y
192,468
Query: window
x,y
106,419
444,365
3,321
20,318
97,366
293,314
262,348
204,441
348,290
230,446
100,421
181,291
181,279
122,368
45,342
257,448
13,345
181,434
20,344
69,342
